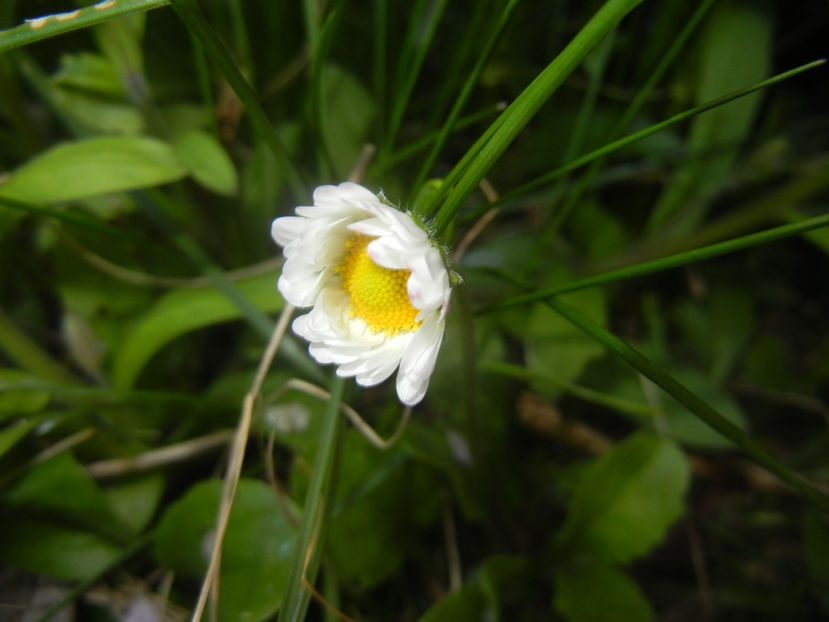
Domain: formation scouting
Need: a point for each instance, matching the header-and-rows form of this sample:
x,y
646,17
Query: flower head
x,y
377,285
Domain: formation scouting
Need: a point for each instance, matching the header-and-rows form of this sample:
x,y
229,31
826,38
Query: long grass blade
x,y
46,26
315,513
632,138
666,263
694,404
525,106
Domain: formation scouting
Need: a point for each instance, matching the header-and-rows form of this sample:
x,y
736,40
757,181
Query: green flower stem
x,y
672,261
316,512
632,138
30,31
28,354
694,404
221,56
525,106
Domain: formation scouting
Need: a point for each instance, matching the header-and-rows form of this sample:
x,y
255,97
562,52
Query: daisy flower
x,y
377,286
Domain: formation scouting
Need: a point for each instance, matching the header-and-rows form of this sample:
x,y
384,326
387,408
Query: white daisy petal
x,y
377,287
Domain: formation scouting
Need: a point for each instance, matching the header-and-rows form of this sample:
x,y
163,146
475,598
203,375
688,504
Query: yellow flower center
x,y
377,295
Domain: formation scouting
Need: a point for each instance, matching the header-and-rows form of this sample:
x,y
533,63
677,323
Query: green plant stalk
x,y
52,25
463,96
379,22
632,138
316,512
666,263
29,356
527,104
220,55
695,405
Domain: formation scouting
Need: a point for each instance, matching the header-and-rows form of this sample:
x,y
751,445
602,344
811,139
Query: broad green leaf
x,y
626,500
348,110
257,552
182,311
87,168
207,161
555,347
56,550
595,592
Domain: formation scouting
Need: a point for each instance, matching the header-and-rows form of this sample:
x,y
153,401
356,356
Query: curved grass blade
x,y
316,512
695,405
525,106
47,26
672,261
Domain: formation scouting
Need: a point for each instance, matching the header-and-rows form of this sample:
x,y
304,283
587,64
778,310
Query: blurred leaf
x,y
12,434
348,110
89,72
207,161
816,545
498,582
595,592
16,402
62,485
555,347
101,116
465,605
181,311
626,500
383,500
735,50
53,549
135,500
87,168
257,552
717,330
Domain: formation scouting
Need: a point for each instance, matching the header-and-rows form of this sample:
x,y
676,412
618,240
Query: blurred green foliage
x,y
542,478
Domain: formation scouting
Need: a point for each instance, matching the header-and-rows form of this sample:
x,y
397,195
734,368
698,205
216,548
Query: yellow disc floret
x,y
377,295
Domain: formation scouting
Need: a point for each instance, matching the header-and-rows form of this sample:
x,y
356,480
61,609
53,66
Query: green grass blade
x,y
47,26
463,96
574,196
694,404
632,138
525,106
221,57
421,32
316,512
672,261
